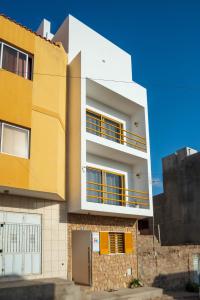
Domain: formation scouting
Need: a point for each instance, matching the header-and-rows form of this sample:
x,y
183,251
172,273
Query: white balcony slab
x,y
103,147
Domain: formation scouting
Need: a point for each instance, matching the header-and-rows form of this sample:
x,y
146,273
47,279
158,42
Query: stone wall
x,y
169,267
108,271
176,212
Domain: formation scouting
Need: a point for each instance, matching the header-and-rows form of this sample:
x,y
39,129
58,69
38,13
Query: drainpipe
x,y
137,249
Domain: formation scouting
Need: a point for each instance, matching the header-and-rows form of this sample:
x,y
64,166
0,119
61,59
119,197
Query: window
x,y
104,127
196,268
15,61
116,242
105,187
14,140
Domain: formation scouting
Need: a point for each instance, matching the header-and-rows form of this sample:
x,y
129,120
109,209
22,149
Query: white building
x,y
108,156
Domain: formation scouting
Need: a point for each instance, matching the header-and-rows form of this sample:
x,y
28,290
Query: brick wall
x,y
169,267
108,271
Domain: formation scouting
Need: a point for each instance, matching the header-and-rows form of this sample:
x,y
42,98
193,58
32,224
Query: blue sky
x,y
163,37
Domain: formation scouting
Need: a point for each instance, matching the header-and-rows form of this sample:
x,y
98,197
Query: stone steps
x,y
44,289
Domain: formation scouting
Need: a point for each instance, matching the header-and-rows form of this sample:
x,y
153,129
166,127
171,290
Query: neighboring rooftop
x,y
35,33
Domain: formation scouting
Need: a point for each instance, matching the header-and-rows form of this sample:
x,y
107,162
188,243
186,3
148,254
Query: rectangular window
x,y
15,61
105,127
105,187
14,140
116,242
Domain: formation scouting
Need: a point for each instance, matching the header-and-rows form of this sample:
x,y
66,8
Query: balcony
x,y
109,188
110,129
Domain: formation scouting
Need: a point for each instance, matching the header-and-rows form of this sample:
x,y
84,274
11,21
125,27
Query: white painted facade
x,y
100,79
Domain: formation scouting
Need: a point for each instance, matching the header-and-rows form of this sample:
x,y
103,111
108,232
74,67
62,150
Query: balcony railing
x,y
115,195
105,128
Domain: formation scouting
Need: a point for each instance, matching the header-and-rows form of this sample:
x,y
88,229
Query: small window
x,y
105,127
15,61
116,242
14,140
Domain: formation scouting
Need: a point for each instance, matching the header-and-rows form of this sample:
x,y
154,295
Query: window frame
x,y
116,242
2,124
102,131
103,184
18,51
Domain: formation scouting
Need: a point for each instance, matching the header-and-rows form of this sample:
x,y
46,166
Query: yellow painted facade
x,y
40,105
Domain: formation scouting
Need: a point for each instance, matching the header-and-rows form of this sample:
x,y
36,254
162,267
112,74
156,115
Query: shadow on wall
x,y
17,288
175,281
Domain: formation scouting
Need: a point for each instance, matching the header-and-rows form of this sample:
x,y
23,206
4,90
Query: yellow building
x,y
32,153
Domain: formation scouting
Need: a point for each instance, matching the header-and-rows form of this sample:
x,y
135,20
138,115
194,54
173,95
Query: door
x,y
81,257
196,268
20,244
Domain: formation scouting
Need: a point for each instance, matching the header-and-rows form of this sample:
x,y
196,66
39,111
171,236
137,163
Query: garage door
x,y
20,244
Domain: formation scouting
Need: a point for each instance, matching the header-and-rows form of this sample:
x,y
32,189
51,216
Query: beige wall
x,y
54,242
108,271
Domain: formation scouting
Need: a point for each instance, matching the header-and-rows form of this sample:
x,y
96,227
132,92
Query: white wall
x,y
106,84
103,58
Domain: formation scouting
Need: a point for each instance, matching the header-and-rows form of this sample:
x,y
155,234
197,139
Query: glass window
x,y
114,185
9,59
94,185
105,127
104,187
15,61
93,123
14,140
21,66
112,130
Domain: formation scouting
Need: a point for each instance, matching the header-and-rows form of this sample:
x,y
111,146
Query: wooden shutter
x,y
104,243
128,243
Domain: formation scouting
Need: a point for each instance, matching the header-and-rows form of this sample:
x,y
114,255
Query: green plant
x,y
134,283
192,287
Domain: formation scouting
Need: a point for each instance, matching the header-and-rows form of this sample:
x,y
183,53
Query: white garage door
x,y
20,244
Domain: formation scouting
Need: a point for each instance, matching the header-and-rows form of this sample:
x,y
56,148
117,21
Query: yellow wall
x,y
39,105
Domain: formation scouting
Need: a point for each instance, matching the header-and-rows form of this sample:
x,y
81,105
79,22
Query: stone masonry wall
x,y
169,267
108,271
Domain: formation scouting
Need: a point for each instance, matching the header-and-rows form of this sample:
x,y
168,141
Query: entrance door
x,y
81,257
20,244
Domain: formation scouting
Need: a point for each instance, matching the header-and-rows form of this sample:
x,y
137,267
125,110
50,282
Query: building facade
x,y
75,156
176,211
108,159
32,154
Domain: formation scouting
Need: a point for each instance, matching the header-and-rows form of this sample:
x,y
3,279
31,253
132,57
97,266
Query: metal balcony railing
x,y
115,195
115,133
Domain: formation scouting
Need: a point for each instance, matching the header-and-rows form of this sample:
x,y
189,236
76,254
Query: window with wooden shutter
x,y
116,242
128,243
